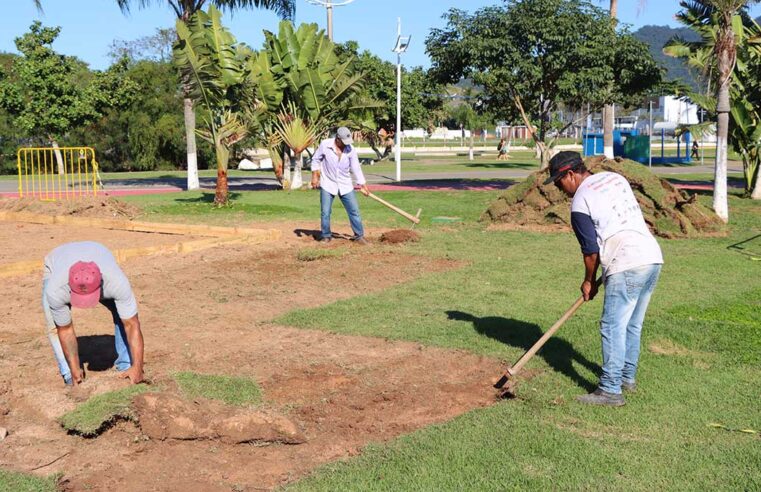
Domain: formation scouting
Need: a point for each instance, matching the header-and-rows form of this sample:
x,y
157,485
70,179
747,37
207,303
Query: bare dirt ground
x,y
211,312
24,241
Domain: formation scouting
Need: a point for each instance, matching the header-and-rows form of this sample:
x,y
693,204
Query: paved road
x,y
264,180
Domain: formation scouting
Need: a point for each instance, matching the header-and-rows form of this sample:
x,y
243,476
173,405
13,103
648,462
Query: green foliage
x,y
47,94
99,412
148,133
529,66
229,389
745,85
326,88
294,131
422,104
185,9
22,482
215,68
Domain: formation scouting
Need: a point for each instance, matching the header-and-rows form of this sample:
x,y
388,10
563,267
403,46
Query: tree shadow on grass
x,y
207,198
502,165
558,353
97,352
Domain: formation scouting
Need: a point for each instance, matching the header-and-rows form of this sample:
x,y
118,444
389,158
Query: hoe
x,y
507,382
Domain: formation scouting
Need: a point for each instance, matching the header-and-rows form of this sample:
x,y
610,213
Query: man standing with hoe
x,y
332,166
612,232
82,275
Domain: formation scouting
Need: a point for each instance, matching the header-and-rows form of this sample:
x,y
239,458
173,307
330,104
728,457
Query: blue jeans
x,y
627,295
123,358
349,201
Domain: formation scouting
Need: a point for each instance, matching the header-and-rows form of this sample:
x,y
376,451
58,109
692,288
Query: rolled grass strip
x,y
100,412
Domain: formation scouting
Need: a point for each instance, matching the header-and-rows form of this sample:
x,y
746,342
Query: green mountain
x,y
656,37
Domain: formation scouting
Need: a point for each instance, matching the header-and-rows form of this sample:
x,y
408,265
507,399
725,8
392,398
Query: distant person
x,y
612,232
503,148
695,147
332,165
83,275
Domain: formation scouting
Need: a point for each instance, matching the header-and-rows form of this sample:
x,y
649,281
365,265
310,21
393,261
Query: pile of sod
x,y
670,212
100,412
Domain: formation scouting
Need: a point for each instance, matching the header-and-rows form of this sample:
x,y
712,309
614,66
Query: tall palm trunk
x,y
608,112
298,182
58,157
725,50
190,138
756,194
221,194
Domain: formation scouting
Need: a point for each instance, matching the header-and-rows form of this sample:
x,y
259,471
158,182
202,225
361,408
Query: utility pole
x,y
402,43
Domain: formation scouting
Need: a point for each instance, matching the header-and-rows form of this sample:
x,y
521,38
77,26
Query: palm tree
x,y
297,133
184,9
743,91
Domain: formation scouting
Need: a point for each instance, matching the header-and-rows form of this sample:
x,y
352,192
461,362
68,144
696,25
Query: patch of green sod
x,y
196,207
313,254
23,482
99,412
699,365
229,389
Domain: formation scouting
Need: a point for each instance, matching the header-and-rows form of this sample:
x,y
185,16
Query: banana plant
x,y
216,67
325,90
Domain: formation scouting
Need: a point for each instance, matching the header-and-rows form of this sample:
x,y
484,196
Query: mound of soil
x,y
164,416
397,236
100,207
669,212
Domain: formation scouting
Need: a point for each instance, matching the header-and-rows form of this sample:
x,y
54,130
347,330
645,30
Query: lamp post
x,y
402,43
329,4
650,138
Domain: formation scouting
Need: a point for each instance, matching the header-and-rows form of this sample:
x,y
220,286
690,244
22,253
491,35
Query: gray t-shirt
x,y
115,283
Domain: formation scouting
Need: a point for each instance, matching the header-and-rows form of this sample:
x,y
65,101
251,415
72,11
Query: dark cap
x,y
561,163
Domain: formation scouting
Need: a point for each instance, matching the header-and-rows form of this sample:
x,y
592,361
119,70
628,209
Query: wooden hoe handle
x,y
398,210
516,368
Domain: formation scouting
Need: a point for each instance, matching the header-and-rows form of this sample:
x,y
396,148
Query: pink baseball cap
x,y
84,282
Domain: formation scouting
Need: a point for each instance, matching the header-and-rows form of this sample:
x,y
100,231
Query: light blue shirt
x,y
115,284
335,172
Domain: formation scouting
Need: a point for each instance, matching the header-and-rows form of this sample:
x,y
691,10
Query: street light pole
x,y
650,138
402,43
329,4
398,155
329,8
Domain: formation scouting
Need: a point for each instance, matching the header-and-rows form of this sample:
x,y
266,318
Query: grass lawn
x,y
304,205
700,364
228,389
22,482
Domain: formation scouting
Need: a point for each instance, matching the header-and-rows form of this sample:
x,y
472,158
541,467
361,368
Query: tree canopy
x,y
47,94
522,60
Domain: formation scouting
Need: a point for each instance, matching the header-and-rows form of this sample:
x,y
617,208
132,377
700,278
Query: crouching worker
x,y
83,275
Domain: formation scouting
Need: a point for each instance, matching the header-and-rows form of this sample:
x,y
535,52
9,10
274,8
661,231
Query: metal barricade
x,y
56,173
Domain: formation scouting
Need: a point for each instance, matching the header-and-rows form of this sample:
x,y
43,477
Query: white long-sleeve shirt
x,y
335,172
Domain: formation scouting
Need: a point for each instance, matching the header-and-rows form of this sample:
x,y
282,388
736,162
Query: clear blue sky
x,y
89,26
